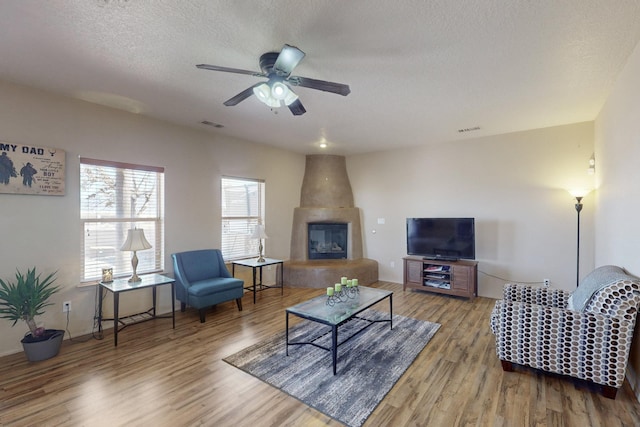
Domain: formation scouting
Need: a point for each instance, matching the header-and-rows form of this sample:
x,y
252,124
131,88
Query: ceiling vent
x,y
208,123
469,129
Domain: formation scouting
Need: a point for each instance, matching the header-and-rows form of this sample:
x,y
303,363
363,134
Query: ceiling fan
x,y
276,91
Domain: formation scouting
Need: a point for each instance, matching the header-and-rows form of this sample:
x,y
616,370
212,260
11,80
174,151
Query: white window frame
x,y
242,209
110,206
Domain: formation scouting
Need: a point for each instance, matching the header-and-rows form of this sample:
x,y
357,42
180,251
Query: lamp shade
x,y
263,93
279,91
259,233
290,98
579,192
135,241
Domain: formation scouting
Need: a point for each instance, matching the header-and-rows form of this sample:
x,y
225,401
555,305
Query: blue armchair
x,y
202,280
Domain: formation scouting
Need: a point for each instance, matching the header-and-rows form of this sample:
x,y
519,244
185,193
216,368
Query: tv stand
x,y
441,276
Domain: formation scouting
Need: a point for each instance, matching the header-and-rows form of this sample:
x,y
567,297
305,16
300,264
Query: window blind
x,y
115,197
242,208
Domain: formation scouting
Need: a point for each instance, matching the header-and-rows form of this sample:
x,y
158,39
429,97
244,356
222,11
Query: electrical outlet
x,y
546,282
66,306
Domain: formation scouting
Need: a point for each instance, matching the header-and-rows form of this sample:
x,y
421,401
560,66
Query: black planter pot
x,y
42,348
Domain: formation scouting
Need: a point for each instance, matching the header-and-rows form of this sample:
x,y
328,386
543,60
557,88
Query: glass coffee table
x,y
337,313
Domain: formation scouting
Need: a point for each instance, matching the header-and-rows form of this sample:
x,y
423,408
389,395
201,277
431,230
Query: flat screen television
x,y
441,238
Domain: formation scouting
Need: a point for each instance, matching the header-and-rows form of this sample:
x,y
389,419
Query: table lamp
x,y
258,233
135,242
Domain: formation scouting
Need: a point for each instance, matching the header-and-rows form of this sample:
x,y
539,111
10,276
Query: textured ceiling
x,y
418,70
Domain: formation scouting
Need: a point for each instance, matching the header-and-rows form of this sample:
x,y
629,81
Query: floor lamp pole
x,y
578,209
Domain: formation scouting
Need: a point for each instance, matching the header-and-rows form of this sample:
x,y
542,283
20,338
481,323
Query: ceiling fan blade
x,y
230,70
241,96
289,57
297,108
339,88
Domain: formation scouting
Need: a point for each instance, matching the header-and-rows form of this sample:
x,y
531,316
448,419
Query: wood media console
x,y
444,277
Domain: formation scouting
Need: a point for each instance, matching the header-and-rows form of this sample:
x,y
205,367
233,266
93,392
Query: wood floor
x,y
163,377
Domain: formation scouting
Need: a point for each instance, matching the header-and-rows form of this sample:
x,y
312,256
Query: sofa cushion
x,y
213,286
598,279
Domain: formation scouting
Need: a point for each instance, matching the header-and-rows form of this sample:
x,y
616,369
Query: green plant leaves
x,y
26,297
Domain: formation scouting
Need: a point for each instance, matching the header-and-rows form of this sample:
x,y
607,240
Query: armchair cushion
x,y
212,286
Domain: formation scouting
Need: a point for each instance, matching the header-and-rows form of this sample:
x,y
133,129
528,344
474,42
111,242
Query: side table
x,y
255,265
123,285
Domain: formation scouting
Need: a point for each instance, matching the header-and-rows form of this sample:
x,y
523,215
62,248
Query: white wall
x,y
617,140
618,172
514,185
44,231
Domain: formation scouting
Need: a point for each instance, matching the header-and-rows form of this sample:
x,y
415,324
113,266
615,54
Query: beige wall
x,y
617,142
44,230
514,185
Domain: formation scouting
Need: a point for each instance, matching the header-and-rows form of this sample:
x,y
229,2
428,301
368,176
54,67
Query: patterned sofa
x,y
585,334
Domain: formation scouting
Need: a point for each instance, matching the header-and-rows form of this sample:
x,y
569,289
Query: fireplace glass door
x,y
328,241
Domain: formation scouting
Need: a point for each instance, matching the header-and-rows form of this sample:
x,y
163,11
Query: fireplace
x,y
326,237
327,240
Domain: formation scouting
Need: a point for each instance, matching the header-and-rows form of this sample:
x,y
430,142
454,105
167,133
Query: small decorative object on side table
x,y
107,275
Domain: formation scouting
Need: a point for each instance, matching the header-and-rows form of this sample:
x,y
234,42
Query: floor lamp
x,y
578,209
578,194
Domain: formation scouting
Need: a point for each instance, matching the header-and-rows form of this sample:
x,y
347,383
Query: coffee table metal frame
x,y
317,310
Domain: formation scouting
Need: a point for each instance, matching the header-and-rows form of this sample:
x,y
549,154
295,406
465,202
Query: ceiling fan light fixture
x,y
290,98
263,93
276,91
279,91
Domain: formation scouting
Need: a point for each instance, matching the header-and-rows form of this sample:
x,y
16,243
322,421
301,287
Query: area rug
x,y
368,365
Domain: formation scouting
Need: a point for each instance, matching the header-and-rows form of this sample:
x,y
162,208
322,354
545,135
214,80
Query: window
x,y
115,197
242,210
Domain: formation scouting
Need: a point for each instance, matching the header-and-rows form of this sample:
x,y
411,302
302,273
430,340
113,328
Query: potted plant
x,y
25,299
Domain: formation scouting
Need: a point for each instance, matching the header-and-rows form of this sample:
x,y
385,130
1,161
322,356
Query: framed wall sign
x,y
30,169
